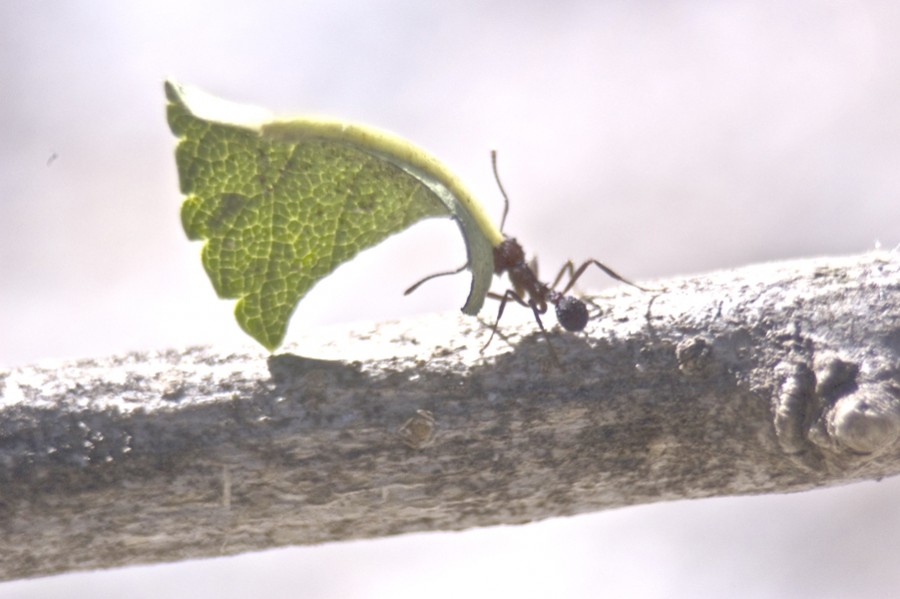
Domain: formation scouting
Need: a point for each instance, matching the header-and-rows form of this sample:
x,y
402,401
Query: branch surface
x,y
771,378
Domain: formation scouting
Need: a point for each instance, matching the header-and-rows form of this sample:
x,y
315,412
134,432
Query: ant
x,y
527,290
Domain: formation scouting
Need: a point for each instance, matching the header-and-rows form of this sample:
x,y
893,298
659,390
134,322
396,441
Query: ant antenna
x,y
502,222
502,191
435,275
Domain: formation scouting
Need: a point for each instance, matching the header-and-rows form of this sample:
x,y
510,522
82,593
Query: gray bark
x,y
772,378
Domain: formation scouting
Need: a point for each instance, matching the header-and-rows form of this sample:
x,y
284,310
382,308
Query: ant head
x,y
507,255
571,313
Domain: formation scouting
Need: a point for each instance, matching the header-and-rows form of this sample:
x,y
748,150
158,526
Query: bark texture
x,y
772,378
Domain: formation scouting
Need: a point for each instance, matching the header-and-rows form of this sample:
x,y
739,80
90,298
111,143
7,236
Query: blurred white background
x,y
663,138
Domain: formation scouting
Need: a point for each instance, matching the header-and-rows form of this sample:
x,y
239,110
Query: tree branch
x,y
771,378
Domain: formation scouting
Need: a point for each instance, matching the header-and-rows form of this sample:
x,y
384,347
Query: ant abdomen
x,y
571,313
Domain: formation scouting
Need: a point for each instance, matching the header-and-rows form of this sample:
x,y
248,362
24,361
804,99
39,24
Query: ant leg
x,y
510,294
535,309
537,317
434,276
533,265
568,267
576,274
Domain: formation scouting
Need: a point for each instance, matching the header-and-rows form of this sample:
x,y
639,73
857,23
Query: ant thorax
x,y
528,290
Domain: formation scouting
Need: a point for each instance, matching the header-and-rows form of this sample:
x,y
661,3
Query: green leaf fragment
x,y
281,204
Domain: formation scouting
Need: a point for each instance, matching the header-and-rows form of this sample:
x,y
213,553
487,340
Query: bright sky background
x,y
663,138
